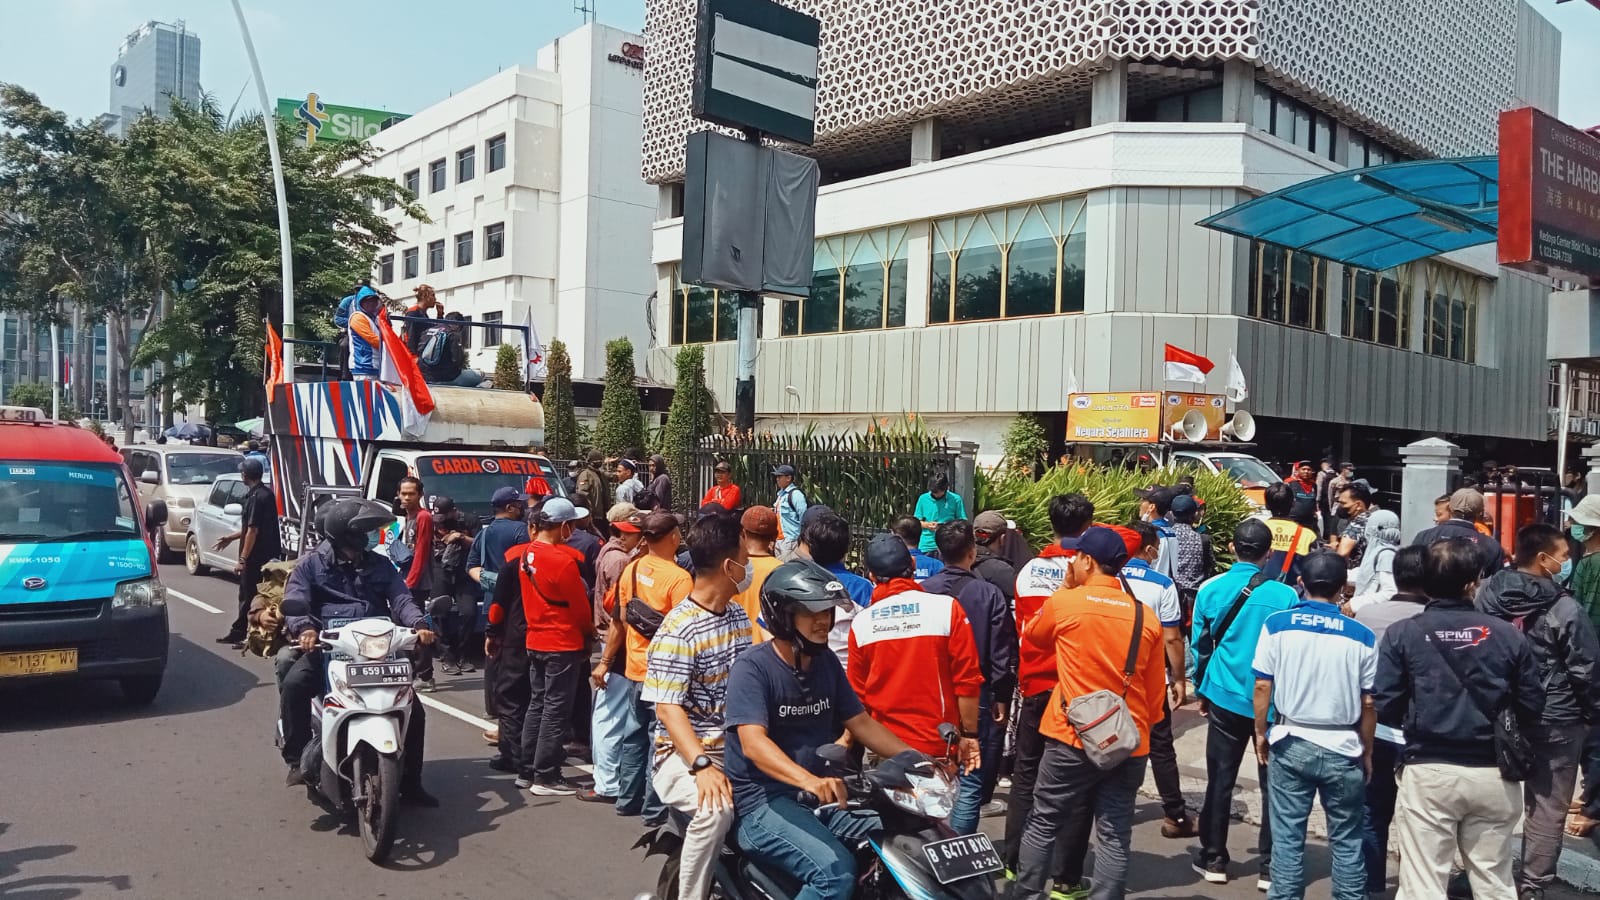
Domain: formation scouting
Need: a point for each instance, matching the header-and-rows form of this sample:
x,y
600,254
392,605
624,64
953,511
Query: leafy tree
x,y
30,393
508,369
693,412
560,418
1025,443
621,424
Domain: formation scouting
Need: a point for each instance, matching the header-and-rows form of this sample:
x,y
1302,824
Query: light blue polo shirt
x,y
1229,683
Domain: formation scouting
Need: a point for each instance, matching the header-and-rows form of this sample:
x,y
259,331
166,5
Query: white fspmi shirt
x,y
1154,590
1320,663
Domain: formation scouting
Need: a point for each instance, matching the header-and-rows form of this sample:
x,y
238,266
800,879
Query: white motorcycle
x,y
356,753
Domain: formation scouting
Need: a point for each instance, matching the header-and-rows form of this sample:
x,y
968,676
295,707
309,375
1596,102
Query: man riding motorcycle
x,y
343,579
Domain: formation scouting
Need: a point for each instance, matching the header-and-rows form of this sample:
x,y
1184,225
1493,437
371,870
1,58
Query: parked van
x,y
80,596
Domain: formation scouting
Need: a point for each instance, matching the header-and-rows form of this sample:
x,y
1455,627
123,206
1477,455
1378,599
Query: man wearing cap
x,y
628,483
1466,509
758,531
1336,486
994,632
1155,507
611,695
1089,625
555,604
656,580
913,661
1193,560
1585,581
1228,612
723,492
505,692
989,531
790,506
258,531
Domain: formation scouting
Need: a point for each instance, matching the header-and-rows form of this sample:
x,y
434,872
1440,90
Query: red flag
x,y
399,367
274,360
1185,366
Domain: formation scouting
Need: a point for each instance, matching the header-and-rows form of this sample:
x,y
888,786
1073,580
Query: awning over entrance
x,y
1378,217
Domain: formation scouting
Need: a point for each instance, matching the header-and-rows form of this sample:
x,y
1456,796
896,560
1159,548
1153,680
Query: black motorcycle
x,y
915,855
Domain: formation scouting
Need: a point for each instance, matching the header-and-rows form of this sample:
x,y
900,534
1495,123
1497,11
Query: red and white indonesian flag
x,y
1185,366
398,367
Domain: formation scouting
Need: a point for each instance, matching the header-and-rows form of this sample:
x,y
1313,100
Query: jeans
x,y
1301,771
1545,796
302,683
702,838
1228,738
283,661
1379,814
550,693
1068,779
635,795
785,836
1164,765
1449,811
977,786
1024,772
610,713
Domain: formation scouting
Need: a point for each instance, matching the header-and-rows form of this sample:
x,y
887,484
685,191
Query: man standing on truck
x,y
366,345
258,532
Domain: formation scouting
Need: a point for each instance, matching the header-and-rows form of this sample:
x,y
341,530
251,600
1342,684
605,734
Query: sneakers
x,y
992,808
1181,827
589,795
1264,881
1214,872
423,686
556,787
466,667
1079,891
501,764
523,782
449,668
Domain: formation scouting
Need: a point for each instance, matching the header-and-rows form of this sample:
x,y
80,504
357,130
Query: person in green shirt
x,y
936,507
1585,584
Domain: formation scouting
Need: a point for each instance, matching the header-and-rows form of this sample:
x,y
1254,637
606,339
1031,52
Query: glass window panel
x,y
1458,329
727,316
1438,324
1302,127
1073,268
1282,118
897,293
1261,110
939,289
699,314
1302,289
791,318
1363,309
978,275
1169,109
678,312
863,295
1323,135
821,313
1205,106
1031,278
1272,286
1389,312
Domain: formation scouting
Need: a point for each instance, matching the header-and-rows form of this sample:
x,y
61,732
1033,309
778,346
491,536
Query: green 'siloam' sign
x,y
318,121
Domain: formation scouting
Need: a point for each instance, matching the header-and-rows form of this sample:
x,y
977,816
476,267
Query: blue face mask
x,y
1579,533
372,541
1565,574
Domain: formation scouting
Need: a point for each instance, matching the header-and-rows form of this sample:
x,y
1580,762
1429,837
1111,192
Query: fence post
x,y
1430,466
1591,455
964,480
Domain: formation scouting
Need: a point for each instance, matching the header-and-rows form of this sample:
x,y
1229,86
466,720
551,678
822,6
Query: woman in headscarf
x,y
1374,577
660,481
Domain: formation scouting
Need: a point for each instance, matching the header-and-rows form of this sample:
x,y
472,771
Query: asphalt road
x,y
186,799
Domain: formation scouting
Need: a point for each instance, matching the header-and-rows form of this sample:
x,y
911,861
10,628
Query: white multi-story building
x,y
1011,192
530,179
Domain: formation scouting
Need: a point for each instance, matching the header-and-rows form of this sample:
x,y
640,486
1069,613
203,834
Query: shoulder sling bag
x,y
1513,755
1209,641
1102,719
637,614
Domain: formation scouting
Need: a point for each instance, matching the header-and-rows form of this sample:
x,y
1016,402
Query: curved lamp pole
x,y
270,121
795,393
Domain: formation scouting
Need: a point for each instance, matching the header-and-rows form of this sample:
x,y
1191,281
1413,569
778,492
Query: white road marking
x,y
193,602
453,712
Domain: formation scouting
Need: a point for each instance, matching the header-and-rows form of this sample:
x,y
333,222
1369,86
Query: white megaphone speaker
x,y
1242,427
1191,428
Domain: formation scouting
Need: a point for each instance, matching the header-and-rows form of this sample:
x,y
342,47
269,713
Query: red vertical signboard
x,y
1549,196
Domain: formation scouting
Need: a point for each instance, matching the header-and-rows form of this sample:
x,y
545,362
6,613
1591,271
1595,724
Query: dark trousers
x,y
249,578
422,661
1591,773
1164,765
580,722
1024,775
458,624
302,684
1228,738
550,696
1381,790
1068,780
508,698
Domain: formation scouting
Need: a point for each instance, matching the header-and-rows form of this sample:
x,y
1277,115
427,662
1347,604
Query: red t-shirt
x,y
726,496
554,597
422,555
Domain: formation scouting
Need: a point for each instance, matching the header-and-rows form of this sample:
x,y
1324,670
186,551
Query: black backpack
x,y
435,346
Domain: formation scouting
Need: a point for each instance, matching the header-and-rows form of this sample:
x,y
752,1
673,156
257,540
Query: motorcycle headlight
x,y
374,646
341,689
142,593
932,796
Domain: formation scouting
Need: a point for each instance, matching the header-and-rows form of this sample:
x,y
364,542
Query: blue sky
x,y
403,55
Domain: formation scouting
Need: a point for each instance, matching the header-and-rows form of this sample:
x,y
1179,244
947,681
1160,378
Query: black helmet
x,y
803,583
347,523
887,557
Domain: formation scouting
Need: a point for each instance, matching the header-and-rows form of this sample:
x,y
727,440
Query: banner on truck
x,y
1115,418
1176,404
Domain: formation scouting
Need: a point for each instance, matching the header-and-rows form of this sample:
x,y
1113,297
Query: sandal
x,y
1579,825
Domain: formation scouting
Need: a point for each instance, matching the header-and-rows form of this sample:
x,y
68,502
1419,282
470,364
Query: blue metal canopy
x,y
1379,217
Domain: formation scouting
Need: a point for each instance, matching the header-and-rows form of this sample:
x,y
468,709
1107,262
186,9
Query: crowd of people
x,y
1428,695
436,339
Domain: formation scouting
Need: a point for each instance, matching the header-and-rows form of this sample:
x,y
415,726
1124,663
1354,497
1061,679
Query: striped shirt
x,y
688,665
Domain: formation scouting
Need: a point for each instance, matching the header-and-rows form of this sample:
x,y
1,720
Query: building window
x,y
1292,121
388,203
1377,306
1362,151
495,149
1452,308
859,285
408,262
466,164
1007,263
412,181
436,176
491,336
435,256
1195,106
702,315
464,248
494,240
1287,287
386,268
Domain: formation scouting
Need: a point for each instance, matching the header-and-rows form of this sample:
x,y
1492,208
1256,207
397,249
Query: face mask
x,y
1579,533
1565,574
743,584
372,540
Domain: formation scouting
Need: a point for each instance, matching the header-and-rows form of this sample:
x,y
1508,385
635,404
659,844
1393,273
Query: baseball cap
x,y
722,467
1104,546
989,522
1158,494
812,512
1184,504
660,523
632,466
626,517
1252,538
251,468
1466,502
1130,539
573,465
887,556
559,510
784,470
506,496
443,505
1587,512
760,521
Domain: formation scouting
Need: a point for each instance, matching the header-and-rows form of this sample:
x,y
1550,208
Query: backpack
x,y
435,346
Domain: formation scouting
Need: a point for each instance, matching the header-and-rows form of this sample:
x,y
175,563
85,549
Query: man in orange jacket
x,y
913,660
1090,625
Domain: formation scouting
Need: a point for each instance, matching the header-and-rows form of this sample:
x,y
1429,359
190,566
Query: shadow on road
x,y
47,887
196,681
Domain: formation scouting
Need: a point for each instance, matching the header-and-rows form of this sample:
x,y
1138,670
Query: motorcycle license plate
x,y
956,858
384,673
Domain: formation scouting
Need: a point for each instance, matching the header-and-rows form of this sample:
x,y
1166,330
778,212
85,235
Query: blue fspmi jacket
x,y
1229,681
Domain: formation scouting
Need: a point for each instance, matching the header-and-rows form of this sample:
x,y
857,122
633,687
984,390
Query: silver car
x,y
216,516
181,475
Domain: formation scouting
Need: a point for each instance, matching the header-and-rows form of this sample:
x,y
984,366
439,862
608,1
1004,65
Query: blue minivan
x,y
80,597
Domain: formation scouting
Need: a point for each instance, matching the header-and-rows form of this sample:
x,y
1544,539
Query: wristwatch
x,y
700,762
